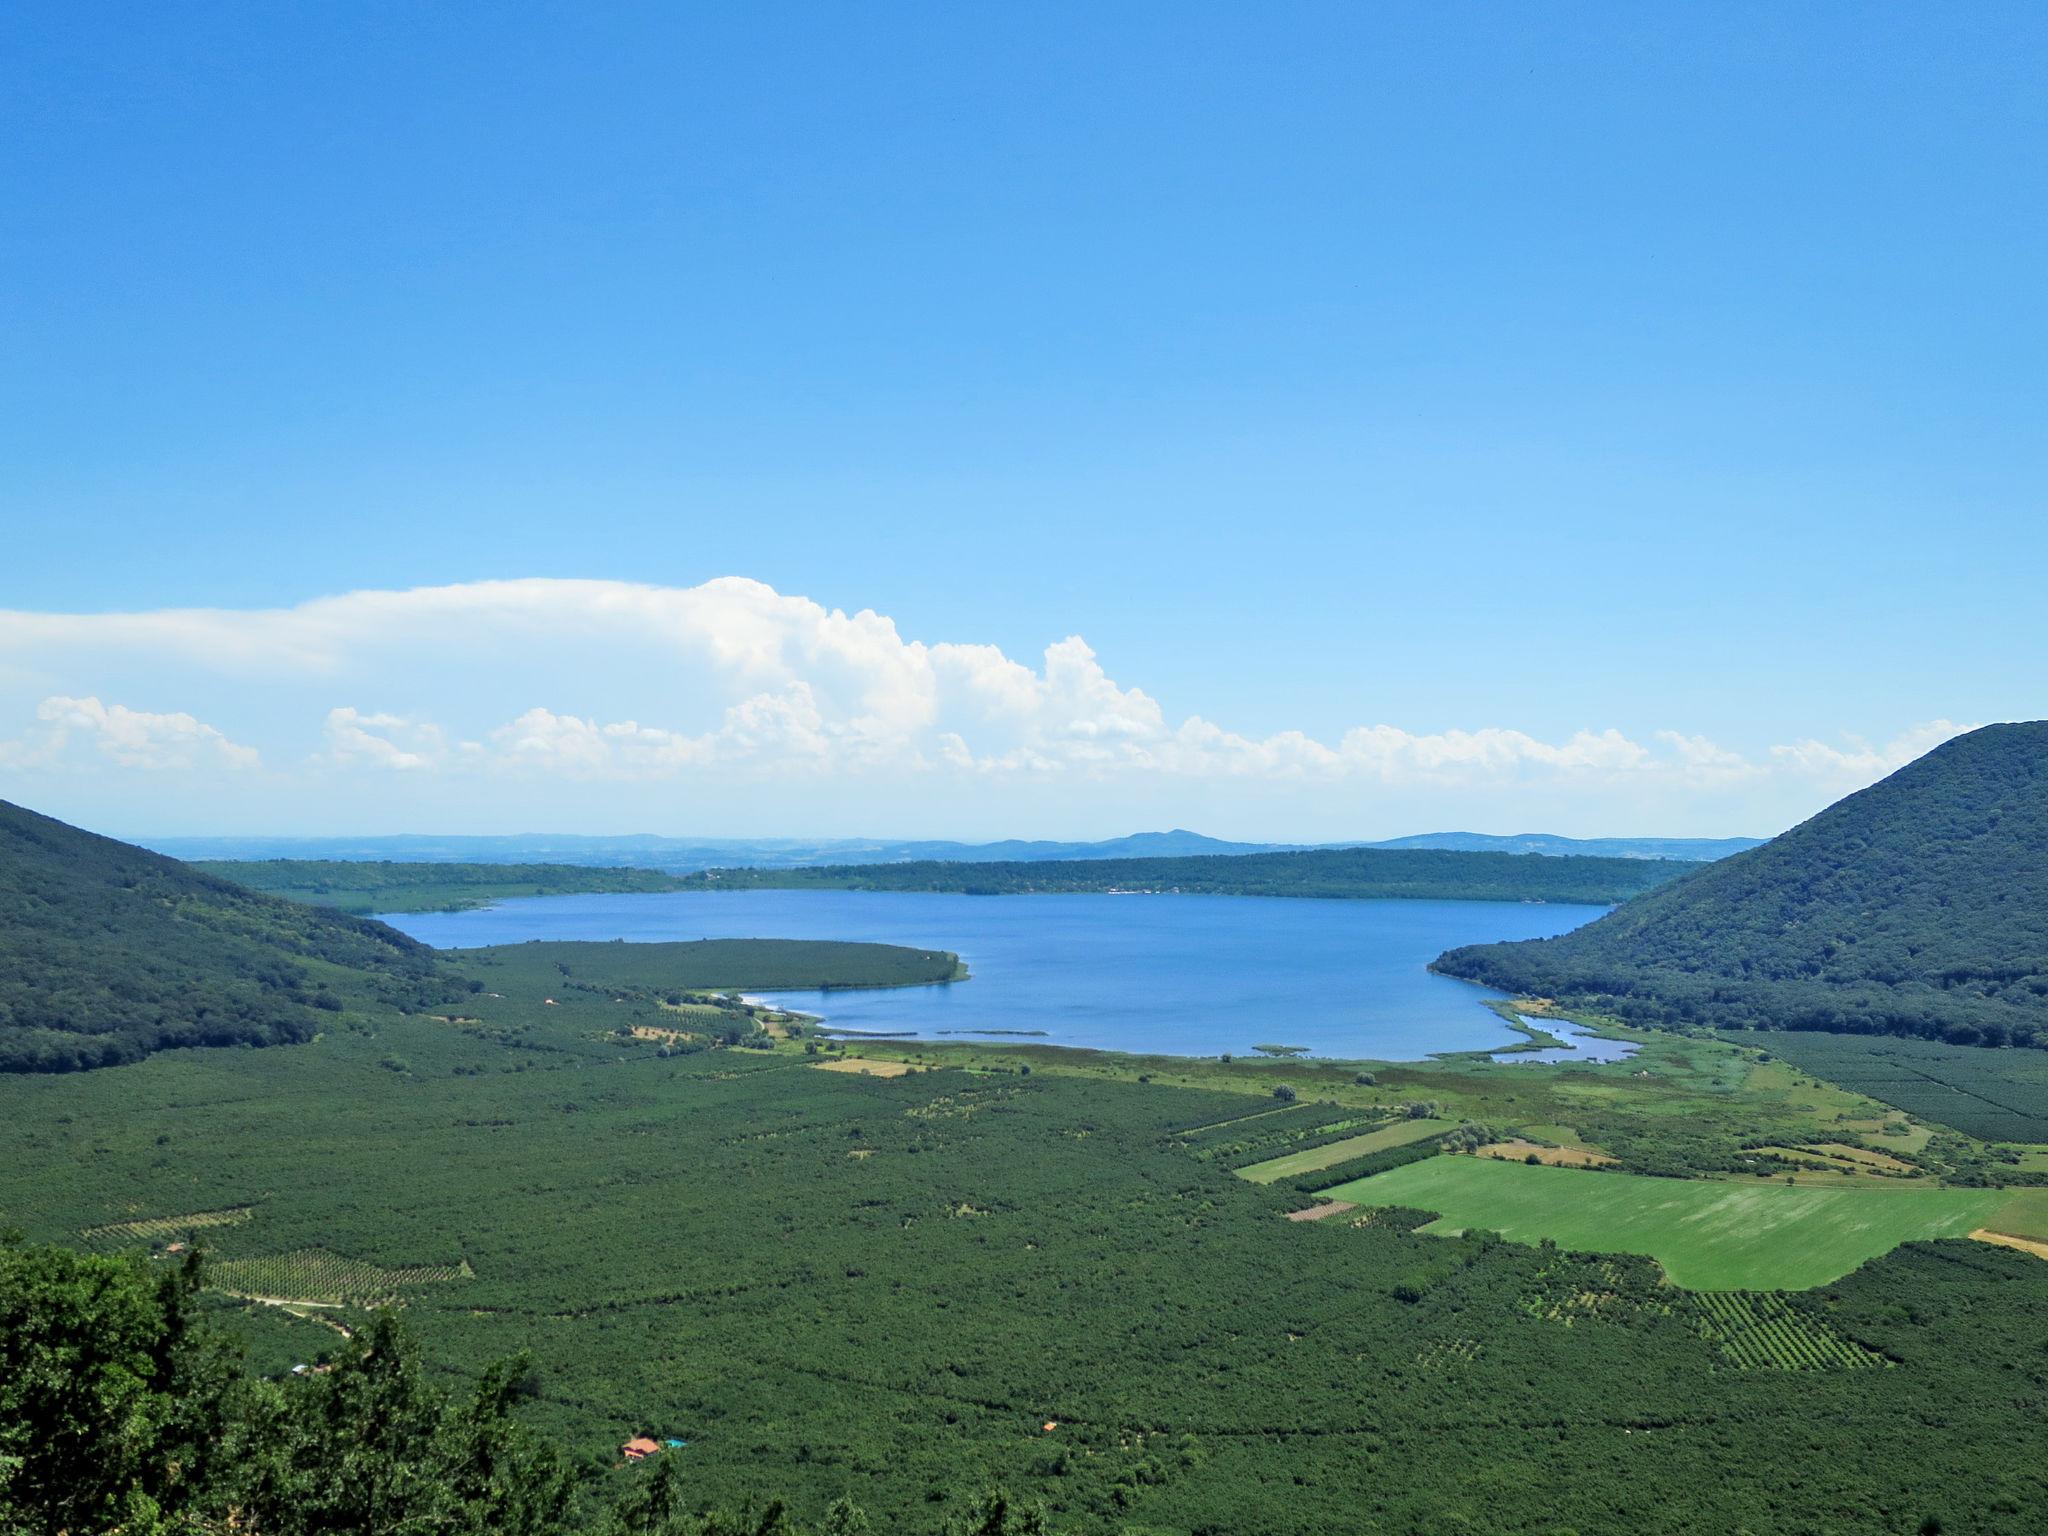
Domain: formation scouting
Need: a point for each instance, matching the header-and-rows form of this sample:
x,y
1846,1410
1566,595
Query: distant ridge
x,y
1426,874
1698,849
685,855
1918,906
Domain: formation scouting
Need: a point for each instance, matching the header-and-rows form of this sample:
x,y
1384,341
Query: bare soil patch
x,y
1318,1212
2006,1240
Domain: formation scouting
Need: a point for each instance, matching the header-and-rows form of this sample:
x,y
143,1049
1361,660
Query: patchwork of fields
x,y
1399,1134
834,1281
1707,1234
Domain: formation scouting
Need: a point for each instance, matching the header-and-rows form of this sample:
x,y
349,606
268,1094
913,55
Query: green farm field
x,y
1397,1135
1707,1234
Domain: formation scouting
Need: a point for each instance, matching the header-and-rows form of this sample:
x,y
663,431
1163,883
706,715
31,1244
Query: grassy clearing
x,y
1834,1157
1708,1235
1315,1158
2024,1213
1883,1162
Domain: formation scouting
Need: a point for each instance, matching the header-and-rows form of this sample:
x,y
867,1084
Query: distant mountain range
x,y
1692,849
683,855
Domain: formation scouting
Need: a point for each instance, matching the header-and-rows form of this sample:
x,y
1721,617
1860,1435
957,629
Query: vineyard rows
x,y
1762,1332
314,1274
116,1234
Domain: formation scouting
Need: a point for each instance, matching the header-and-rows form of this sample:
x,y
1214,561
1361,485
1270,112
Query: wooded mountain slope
x,y
1918,906
109,952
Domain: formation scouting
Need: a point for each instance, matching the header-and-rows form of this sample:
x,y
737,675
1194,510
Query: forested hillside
x,y
1418,874
1916,907
108,953
387,886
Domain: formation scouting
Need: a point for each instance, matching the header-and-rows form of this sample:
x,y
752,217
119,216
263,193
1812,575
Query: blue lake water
x,y
1179,975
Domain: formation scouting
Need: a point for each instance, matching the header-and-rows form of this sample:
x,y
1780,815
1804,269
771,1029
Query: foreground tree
x,y
121,1412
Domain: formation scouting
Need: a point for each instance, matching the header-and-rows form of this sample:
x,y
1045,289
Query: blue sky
x,y
1544,372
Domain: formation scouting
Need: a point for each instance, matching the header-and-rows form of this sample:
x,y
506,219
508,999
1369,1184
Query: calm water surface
x,y
1582,1045
1182,975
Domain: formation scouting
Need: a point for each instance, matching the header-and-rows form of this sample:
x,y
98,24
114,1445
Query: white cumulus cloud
x,y
1860,761
382,741
604,680
129,738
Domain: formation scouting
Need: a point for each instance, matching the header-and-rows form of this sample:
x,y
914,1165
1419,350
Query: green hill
x,y
1366,873
1916,907
108,953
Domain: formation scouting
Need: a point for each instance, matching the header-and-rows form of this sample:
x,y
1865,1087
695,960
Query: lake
x,y
1178,975
1581,1044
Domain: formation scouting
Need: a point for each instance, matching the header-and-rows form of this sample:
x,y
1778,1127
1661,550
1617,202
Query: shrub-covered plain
x,y
831,1283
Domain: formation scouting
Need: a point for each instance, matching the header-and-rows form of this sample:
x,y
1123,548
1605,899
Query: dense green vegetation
x,y
827,1282
1707,1234
1419,874
386,886
1918,907
764,965
108,953
1998,1095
